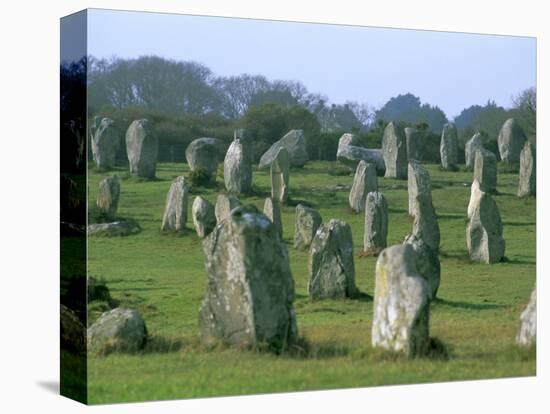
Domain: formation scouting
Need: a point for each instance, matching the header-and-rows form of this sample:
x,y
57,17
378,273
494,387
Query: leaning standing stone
x,y
401,303
250,290
376,223
414,144
175,213
105,142
107,197
280,175
204,154
527,333
449,147
224,205
511,139
473,144
485,170
331,268
204,217
307,222
295,144
272,210
527,171
394,151
118,330
237,165
142,148
364,182
427,263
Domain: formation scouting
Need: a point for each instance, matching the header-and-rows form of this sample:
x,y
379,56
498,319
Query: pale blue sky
x,y
451,70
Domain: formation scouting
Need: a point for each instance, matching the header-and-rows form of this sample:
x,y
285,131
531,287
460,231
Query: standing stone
x,y
401,303
204,217
105,142
142,147
350,152
527,332
511,139
427,263
473,144
376,223
484,231
394,151
175,213
364,182
449,147
280,175
237,165
307,222
295,144
204,154
331,268
527,171
224,204
107,196
414,144
250,289
485,170
272,210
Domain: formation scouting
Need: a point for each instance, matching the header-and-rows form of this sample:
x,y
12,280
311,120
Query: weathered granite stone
x,y
527,171
294,142
250,289
105,142
175,212
364,181
204,154
115,228
107,196
280,175
484,231
470,148
511,139
414,144
118,330
350,153
237,165
224,204
204,216
401,303
427,263
331,268
376,223
449,147
73,333
142,147
485,170
272,210
527,332
307,222
394,151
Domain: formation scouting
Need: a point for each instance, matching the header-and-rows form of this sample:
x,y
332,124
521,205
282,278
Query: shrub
x,y
201,177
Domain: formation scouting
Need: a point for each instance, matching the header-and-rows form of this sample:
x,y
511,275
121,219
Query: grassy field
x,y
163,276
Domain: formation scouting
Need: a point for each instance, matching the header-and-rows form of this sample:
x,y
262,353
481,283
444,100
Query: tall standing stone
x,y
204,154
307,222
511,139
414,144
105,142
295,144
364,181
485,170
484,231
401,303
448,148
142,147
280,175
527,332
376,223
250,290
472,145
237,165
331,268
175,212
394,151
204,217
427,263
107,196
224,204
527,171
272,210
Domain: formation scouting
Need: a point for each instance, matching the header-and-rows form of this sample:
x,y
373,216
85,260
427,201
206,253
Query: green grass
x,y
163,276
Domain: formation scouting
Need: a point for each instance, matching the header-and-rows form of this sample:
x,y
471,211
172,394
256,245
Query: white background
x,y
29,250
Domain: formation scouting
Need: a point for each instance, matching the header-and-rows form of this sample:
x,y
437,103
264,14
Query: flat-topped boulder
x,y
376,223
307,222
527,171
470,148
527,332
105,141
117,330
394,151
511,140
108,196
364,181
272,210
448,148
415,145
350,152
113,229
280,175
175,212
237,165
485,170
142,147
204,216
204,154
224,204
294,142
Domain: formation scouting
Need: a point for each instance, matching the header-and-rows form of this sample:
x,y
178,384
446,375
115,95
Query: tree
x,y
525,111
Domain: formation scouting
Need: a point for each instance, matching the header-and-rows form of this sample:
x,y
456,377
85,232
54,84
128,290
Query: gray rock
x,y
280,175
485,170
449,147
204,154
394,151
118,330
350,153
237,165
115,228
272,210
470,148
414,144
294,142
105,142
250,289
427,263
307,222
224,204
401,303
527,171
364,181
108,196
511,139
484,231
175,212
376,223
142,147
331,268
527,332
204,216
